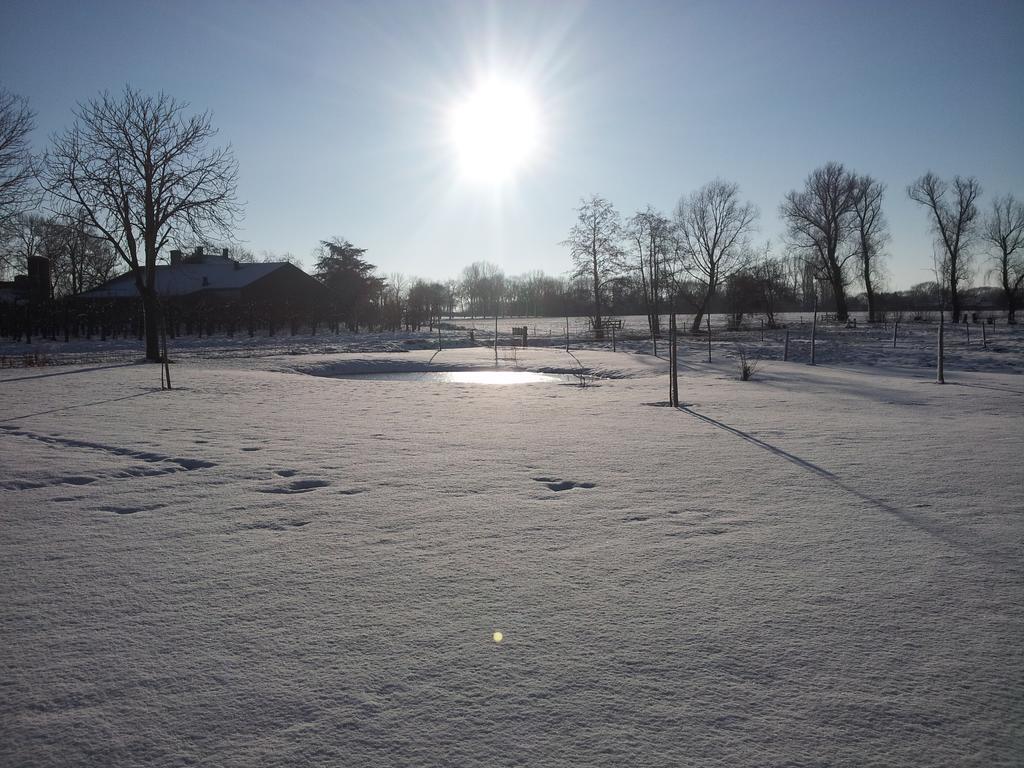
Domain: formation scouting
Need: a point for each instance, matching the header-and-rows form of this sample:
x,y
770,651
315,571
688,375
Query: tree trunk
x,y
151,321
598,329
705,307
839,293
869,289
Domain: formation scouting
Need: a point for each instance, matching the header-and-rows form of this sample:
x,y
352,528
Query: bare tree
x,y
653,243
772,283
954,223
1004,234
142,172
870,235
713,229
25,239
594,247
80,259
819,222
17,169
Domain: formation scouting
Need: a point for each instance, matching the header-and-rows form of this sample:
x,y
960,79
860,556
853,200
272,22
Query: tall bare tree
x,y
594,245
17,169
1004,234
955,225
714,228
143,173
870,235
819,222
653,243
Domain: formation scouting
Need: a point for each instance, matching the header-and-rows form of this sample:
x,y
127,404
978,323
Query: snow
x,y
272,565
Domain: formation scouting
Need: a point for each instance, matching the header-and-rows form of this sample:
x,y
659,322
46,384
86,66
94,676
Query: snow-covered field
x,y
271,566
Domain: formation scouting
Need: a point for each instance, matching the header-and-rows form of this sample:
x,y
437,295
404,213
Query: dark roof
x,y
185,279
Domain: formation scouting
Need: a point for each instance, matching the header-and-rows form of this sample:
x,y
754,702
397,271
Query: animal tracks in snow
x,y
557,484
153,463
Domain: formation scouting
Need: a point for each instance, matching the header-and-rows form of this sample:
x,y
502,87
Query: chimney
x,y
175,258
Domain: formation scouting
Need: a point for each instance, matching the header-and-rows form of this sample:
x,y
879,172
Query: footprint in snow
x,y
297,486
557,484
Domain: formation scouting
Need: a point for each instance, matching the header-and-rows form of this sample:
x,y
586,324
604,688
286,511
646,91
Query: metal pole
x,y
708,317
814,326
941,379
674,378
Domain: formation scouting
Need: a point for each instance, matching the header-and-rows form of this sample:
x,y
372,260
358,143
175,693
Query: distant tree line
x,y
702,258
136,174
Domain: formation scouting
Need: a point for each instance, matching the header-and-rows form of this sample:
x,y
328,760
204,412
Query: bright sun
x,y
495,130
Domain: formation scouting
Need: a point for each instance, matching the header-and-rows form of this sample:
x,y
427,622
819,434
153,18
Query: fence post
x,y
495,337
785,348
940,378
566,333
895,329
984,337
613,339
967,327
762,330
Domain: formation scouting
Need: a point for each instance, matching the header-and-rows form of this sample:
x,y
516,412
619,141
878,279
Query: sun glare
x,y
495,131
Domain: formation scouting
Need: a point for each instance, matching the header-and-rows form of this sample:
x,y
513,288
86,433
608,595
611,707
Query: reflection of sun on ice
x,y
495,130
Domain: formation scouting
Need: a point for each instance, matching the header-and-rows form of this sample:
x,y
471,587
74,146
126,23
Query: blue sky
x,y
336,111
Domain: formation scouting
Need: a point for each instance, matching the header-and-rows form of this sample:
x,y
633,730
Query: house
x,y
205,292
214,279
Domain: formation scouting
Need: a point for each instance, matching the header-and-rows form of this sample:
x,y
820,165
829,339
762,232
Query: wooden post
x,y
566,333
439,338
814,326
895,330
984,337
708,317
613,339
940,377
495,336
165,370
762,330
967,327
785,347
